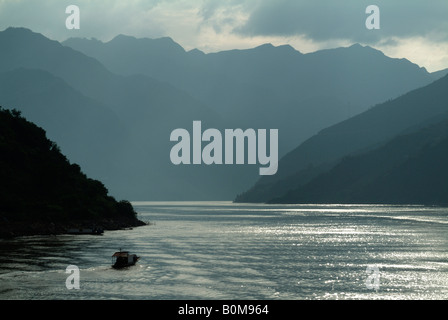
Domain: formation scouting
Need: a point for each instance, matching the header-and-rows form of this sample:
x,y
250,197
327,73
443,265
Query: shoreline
x,y
9,230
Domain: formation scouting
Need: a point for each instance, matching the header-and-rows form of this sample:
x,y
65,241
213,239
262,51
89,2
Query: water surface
x,y
221,250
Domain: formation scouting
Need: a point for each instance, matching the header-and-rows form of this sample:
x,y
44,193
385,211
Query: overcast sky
x,y
412,29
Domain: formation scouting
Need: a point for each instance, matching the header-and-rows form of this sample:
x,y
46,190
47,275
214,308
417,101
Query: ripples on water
x,y
220,250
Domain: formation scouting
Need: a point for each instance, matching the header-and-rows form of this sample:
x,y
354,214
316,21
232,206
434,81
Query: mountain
x,y
409,169
41,192
117,127
83,127
112,109
362,133
439,74
267,87
161,56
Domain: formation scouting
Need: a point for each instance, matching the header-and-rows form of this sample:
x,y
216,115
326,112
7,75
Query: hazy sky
x,y
413,29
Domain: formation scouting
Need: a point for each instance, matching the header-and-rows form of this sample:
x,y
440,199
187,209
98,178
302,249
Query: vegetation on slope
x,y
41,192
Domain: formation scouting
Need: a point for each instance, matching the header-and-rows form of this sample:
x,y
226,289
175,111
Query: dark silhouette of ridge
x,y
41,192
268,86
409,169
117,127
364,132
112,109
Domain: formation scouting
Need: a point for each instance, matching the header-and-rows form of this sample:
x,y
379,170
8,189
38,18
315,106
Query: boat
x,y
123,259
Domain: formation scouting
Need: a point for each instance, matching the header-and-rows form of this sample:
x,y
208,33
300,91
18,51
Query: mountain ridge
x,y
268,87
41,192
408,169
357,134
315,89
148,109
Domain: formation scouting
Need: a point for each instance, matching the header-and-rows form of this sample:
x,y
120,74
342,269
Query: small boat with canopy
x,y
122,259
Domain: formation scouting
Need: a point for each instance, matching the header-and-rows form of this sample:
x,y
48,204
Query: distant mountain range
x,y
409,169
267,86
111,106
116,127
396,152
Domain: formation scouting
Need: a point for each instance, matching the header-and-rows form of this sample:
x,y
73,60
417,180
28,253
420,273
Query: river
x,y
222,250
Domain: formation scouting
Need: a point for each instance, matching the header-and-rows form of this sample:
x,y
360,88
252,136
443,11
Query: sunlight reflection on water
x,y
221,250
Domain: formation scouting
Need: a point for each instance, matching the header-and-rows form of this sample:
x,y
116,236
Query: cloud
x,y
318,20
214,25
432,55
102,19
323,20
